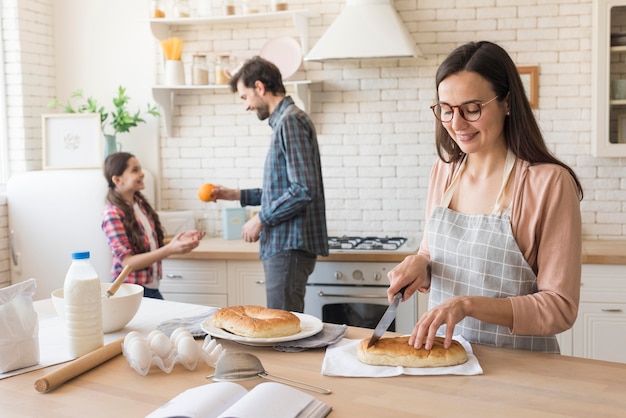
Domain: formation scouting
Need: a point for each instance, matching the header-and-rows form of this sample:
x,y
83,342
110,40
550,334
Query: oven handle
x,y
322,294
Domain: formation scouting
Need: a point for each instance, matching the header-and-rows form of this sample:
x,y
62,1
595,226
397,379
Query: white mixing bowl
x,y
117,310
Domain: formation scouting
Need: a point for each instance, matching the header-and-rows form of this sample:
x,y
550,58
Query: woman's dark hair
x,y
521,131
114,165
259,69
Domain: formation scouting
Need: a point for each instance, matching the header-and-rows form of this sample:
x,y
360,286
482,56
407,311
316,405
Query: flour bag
x,y
19,327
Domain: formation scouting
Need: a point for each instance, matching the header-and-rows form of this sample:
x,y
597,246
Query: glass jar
x,y
229,7
199,70
157,9
180,8
203,8
251,6
222,69
278,5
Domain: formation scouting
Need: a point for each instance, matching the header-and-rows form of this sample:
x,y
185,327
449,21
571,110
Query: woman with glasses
x,y
501,253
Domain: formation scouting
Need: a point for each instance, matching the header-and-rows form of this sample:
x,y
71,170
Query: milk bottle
x,y
83,306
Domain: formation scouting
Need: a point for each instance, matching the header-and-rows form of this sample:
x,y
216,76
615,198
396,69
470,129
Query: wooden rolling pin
x,y
118,281
79,366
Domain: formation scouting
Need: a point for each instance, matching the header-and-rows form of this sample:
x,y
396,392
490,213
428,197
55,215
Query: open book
x,y
231,400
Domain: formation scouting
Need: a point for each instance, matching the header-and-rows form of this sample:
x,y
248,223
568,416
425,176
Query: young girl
x,y
132,227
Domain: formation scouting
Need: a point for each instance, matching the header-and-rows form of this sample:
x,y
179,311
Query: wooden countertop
x,y
515,383
594,252
604,252
221,249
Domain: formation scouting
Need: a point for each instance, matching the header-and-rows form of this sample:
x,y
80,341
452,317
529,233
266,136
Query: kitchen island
x,y
514,383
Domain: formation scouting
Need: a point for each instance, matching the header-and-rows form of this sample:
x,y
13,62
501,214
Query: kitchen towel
x,y
330,334
193,324
341,360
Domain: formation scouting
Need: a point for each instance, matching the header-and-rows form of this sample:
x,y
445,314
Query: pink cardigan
x,y
546,223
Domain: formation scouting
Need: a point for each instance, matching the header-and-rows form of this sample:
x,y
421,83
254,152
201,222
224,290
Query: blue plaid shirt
x,y
293,211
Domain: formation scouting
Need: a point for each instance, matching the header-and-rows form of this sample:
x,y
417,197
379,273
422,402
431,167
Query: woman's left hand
x,y
448,313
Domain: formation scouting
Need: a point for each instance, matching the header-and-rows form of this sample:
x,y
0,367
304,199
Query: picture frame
x,y
71,141
621,128
530,80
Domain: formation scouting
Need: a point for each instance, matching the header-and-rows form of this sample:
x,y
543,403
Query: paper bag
x,y
19,327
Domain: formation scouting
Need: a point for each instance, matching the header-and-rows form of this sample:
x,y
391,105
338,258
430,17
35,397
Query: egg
x,y
188,351
139,354
160,345
152,335
178,334
129,338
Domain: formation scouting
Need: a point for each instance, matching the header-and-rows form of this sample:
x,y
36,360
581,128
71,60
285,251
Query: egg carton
x,y
157,349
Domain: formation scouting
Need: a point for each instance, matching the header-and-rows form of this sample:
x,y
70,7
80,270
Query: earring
x,y
508,113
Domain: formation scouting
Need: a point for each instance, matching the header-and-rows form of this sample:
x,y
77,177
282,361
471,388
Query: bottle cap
x,y
80,255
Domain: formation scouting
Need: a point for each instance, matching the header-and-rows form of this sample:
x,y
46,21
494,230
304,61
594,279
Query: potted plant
x,y
118,121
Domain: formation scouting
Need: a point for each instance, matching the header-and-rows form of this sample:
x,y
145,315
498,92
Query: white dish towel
x,y
341,360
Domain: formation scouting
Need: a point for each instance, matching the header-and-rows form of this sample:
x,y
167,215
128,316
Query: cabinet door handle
x,y
332,295
611,310
174,276
260,282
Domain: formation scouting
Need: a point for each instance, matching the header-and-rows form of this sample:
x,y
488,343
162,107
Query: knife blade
x,y
387,319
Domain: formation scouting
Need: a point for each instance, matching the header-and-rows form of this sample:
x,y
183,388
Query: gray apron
x,y
476,255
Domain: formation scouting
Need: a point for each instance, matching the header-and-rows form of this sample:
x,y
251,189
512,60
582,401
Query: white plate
x,y
285,53
309,325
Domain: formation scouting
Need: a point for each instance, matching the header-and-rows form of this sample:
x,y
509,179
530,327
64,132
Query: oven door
x,y
360,306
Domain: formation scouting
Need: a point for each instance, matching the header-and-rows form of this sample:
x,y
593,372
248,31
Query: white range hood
x,y
365,29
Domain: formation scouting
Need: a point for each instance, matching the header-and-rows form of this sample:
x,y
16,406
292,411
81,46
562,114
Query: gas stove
x,y
365,243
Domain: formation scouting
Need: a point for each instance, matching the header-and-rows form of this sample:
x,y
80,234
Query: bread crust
x,y
257,321
396,351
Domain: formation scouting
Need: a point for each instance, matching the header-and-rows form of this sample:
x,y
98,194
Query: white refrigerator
x,y
53,213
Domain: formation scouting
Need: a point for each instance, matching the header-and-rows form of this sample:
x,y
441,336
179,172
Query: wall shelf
x,y
161,26
164,96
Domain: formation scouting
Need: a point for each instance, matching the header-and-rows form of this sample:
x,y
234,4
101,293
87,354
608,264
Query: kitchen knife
x,y
387,319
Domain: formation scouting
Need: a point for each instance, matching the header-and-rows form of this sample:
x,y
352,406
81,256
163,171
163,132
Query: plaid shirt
x,y
113,227
293,210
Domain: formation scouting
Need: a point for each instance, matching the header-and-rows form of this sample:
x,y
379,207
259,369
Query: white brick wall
x,y
374,125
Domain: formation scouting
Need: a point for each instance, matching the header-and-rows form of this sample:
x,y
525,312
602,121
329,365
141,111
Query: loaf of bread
x,y
397,352
257,321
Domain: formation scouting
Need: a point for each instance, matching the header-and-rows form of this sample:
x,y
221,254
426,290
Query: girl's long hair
x,y
114,165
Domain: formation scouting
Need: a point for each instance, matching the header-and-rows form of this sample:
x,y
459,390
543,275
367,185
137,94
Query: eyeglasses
x,y
468,111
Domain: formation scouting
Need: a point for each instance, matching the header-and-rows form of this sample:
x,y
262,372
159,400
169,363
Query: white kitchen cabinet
x,y
600,329
164,95
246,284
203,282
609,118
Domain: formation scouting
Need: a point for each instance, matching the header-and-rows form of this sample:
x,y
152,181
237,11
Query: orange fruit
x,y
206,193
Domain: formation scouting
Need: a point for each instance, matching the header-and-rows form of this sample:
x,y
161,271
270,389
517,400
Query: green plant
x,y
121,120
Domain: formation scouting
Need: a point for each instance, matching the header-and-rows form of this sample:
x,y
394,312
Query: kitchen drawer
x,y
194,276
600,329
218,301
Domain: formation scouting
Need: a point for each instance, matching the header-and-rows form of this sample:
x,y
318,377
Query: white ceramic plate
x,y
285,53
309,325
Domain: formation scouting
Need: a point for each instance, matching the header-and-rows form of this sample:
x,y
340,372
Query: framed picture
x,y
621,128
530,79
72,140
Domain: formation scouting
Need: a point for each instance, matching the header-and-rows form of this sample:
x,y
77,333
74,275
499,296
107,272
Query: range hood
x,y
365,29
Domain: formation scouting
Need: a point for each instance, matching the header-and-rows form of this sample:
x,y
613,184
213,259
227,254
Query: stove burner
x,y
365,243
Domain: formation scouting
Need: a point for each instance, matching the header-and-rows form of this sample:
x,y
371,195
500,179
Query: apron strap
x,y
508,169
